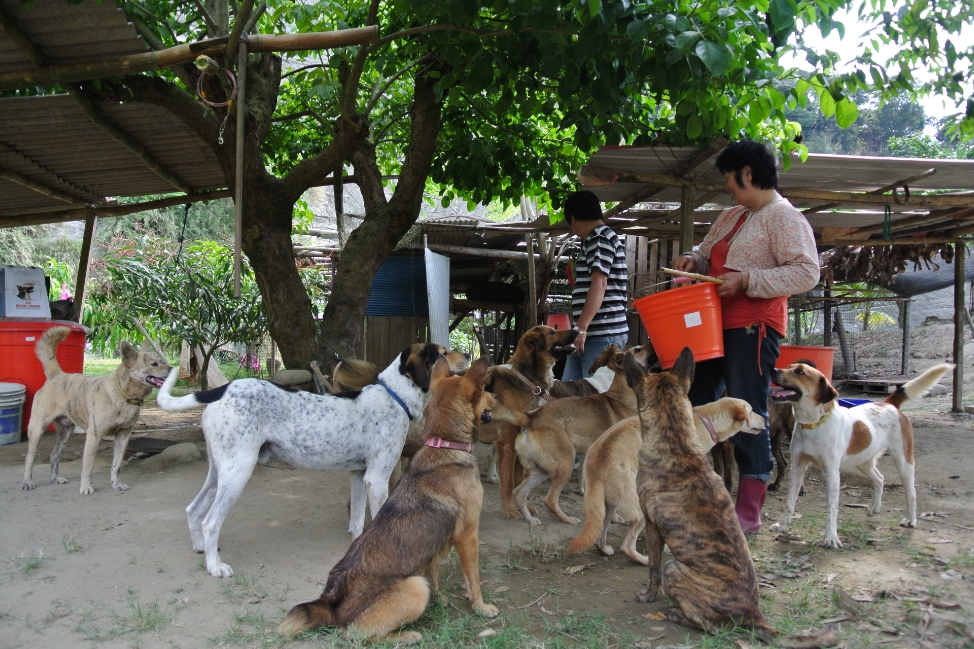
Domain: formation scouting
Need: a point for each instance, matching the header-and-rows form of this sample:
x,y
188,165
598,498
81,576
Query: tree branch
x,y
254,17
379,91
207,18
355,74
239,22
423,137
304,67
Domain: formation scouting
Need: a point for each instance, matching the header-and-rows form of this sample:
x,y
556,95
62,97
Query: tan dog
x,y
522,385
384,580
553,434
612,464
835,439
711,577
101,405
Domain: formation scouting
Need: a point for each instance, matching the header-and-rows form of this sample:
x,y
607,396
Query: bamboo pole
x,y
83,265
532,314
686,218
185,53
905,351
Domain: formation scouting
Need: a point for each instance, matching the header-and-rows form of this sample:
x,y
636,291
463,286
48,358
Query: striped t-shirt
x,y
602,250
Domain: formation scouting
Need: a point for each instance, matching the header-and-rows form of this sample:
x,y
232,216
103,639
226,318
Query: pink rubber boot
x,y
750,499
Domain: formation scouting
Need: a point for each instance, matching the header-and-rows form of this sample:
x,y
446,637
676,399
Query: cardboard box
x,y
24,293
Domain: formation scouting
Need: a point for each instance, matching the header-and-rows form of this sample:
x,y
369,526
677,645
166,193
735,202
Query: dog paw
x,y
780,526
489,611
571,520
831,542
534,520
27,485
619,520
773,487
607,550
59,481
118,486
220,570
511,514
86,489
646,597
406,637
906,522
494,479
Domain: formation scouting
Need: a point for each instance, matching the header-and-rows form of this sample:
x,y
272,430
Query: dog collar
x,y
132,401
436,442
397,399
817,423
536,389
709,425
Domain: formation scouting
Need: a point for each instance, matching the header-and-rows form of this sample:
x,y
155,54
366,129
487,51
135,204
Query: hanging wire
x,y
218,104
887,224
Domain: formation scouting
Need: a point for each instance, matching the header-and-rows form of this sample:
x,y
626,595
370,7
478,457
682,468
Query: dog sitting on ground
x,y
711,577
250,419
612,464
552,435
836,439
521,385
101,405
384,580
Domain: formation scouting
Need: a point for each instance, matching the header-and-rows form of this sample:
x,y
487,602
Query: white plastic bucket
x,y
12,396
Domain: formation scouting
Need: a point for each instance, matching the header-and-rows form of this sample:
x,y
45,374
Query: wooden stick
x,y
145,334
703,278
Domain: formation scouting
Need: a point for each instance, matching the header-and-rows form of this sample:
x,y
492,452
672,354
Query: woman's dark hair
x,y
748,153
583,206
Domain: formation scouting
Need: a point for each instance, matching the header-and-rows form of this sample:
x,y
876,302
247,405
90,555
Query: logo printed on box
x,y
692,319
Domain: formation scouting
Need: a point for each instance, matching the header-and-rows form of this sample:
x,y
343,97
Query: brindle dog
x,y
711,577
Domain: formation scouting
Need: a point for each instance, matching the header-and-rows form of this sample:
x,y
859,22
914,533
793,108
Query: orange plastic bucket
x,y
822,357
687,316
559,321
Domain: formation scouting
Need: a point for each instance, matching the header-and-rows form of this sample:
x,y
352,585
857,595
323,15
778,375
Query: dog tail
x,y
46,350
594,517
918,386
309,615
356,374
502,413
170,403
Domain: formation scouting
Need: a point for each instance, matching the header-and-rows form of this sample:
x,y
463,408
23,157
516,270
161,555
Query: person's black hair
x,y
749,153
582,206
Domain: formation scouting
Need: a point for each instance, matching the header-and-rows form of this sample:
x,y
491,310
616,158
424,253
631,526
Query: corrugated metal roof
x,y
51,142
68,33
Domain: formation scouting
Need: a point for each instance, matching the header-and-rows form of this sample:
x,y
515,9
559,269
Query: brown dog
x,y
523,385
612,464
553,434
711,577
384,580
101,405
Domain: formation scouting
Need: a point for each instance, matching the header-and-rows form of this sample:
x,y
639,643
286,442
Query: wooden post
x,y
905,355
532,308
686,218
798,325
847,359
654,265
339,192
960,250
83,265
239,180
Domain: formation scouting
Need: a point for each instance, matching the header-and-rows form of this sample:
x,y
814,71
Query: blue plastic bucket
x,y
12,397
852,403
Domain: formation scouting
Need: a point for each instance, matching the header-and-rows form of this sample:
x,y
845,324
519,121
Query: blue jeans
x,y
577,367
738,371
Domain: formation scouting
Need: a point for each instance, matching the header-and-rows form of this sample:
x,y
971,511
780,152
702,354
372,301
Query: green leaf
x,y
593,7
782,14
716,57
826,103
685,40
639,30
846,113
694,127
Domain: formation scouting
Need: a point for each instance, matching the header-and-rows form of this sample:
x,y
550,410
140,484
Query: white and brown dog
x,y
835,438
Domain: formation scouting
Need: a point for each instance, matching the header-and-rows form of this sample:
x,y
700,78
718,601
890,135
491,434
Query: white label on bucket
x,y
30,339
692,319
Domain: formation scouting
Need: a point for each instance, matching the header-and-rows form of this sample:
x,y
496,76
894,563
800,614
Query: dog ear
x,y
826,392
604,358
538,339
634,371
441,370
685,365
473,380
806,361
128,353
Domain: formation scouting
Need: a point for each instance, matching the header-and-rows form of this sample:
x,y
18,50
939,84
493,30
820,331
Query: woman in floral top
x,y
764,250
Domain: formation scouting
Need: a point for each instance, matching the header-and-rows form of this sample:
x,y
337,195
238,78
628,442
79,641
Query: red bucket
x,y
686,316
823,357
559,321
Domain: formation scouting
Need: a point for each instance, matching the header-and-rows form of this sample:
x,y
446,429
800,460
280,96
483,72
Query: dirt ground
x,y
116,569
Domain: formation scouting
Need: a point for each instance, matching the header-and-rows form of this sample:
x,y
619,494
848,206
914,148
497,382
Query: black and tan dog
x,y
711,577
523,385
384,580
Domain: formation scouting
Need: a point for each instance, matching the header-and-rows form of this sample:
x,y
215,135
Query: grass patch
x,y
27,565
250,629
71,546
139,618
